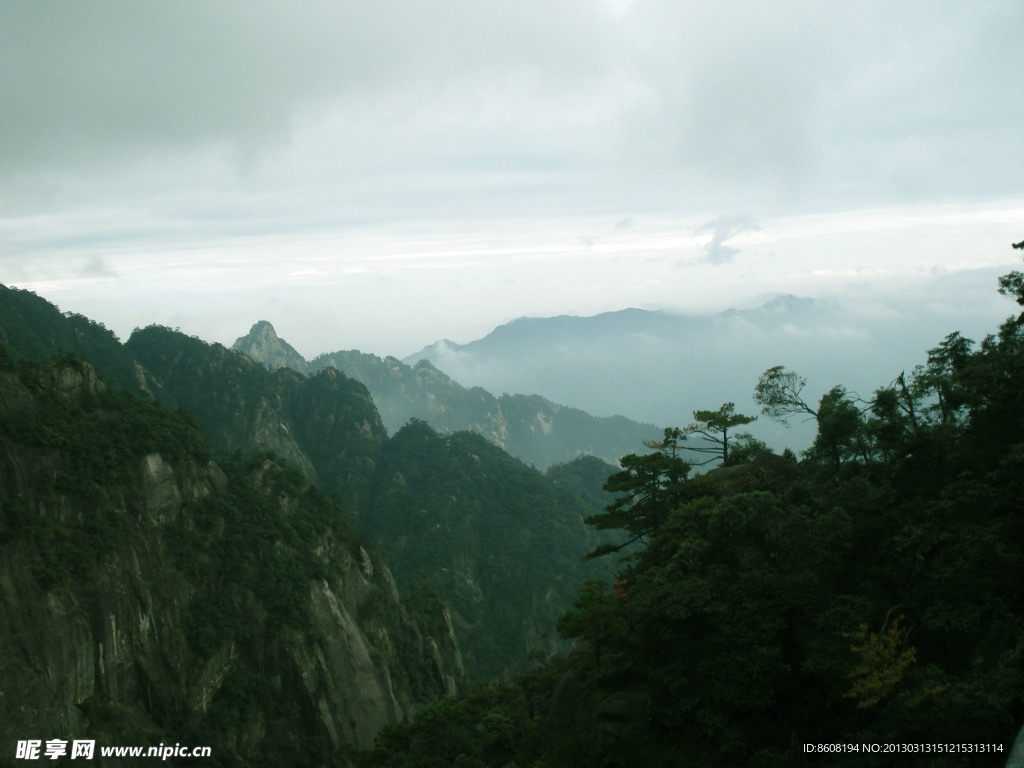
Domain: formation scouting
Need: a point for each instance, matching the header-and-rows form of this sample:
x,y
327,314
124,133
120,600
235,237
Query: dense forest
x,y
149,594
453,514
869,592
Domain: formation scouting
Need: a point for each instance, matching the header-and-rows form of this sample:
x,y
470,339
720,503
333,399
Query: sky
x,y
380,175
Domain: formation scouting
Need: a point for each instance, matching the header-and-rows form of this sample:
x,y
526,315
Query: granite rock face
x,y
97,631
263,344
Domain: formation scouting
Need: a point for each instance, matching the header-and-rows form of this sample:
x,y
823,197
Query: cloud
x,y
90,83
178,133
716,252
96,266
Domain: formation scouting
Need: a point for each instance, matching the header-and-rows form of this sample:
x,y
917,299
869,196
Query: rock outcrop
x,y
122,621
263,344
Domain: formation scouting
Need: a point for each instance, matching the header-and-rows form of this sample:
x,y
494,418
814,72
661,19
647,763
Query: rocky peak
x,y
263,345
263,329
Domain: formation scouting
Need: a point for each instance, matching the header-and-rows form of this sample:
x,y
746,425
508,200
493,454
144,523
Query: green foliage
x,y
840,429
501,542
714,427
597,614
584,476
650,486
255,544
746,449
490,725
1012,285
96,441
867,594
33,329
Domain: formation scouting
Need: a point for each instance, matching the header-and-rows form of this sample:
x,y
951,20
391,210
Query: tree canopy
x,y
869,593
714,427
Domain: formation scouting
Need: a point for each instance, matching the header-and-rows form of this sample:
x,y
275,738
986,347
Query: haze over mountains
x,y
532,428
549,388
659,367
168,575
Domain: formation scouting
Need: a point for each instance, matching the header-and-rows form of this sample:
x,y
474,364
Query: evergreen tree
x,y
651,486
714,429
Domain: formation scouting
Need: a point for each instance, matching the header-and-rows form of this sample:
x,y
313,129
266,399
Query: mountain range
x,y
659,367
149,594
326,426
530,427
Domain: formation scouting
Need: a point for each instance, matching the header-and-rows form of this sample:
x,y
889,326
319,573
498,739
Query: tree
x,y
941,378
596,615
840,429
747,448
778,392
651,485
713,427
1012,285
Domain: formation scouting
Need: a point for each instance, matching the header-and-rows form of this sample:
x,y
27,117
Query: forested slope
x,y
328,428
148,594
870,593
504,544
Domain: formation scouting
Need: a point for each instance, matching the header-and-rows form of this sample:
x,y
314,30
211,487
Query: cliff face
x,y
327,425
263,344
149,595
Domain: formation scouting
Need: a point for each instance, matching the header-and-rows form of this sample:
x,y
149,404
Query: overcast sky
x,y
379,175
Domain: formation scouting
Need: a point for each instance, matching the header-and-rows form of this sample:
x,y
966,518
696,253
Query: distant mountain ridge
x,y
656,366
526,333
534,429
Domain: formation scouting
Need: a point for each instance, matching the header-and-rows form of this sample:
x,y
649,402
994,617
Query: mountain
x,y
671,365
465,494
326,425
536,430
263,345
150,595
585,478
453,513
504,543
34,329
